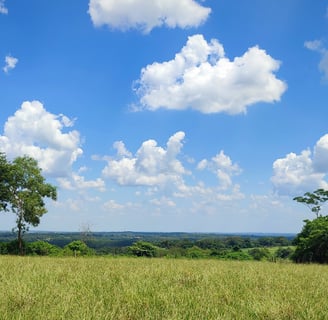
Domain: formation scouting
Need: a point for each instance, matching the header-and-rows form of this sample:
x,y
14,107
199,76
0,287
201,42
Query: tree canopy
x,y
312,241
313,200
22,191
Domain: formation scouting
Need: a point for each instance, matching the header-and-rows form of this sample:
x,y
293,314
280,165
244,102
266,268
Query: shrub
x,y
143,249
284,253
259,253
77,248
42,248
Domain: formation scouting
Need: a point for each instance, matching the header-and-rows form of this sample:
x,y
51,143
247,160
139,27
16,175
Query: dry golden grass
x,y
137,288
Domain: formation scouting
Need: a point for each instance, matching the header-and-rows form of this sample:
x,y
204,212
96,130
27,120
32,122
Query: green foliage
x,y
197,253
77,248
143,249
239,255
22,190
14,247
312,241
259,253
4,183
284,253
42,248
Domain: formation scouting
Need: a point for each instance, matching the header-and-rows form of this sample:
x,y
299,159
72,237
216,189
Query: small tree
x,y
27,189
313,200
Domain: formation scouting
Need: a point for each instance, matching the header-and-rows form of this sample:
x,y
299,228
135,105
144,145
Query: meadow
x,y
160,288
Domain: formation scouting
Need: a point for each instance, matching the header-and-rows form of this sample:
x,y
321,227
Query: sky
x,y
164,115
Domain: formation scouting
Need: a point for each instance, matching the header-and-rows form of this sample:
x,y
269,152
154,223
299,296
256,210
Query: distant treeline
x,y
193,245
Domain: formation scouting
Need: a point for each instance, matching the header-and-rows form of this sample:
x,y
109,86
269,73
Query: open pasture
x,y
140,288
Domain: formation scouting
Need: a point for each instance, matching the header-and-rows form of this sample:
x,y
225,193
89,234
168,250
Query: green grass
x,y
131,288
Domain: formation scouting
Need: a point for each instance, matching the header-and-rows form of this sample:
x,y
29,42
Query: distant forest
x,y
121,242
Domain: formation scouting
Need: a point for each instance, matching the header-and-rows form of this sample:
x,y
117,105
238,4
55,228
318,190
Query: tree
x,y
27,190
312,242
313,200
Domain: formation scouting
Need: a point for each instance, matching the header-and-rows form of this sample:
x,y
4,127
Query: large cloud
x,y
145,14
317,46
200,77
40,134
297,174
151,166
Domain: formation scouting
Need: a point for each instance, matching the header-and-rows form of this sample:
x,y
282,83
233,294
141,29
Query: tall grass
x,y
130,288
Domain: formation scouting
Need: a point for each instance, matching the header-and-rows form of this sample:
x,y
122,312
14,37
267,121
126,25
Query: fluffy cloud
x,y
200,77
40,134
76,181
151,166
10,63
320,159
297,174
3,9
223,167
317,46
146,15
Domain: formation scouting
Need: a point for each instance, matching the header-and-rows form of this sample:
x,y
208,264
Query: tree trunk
x,y
20,232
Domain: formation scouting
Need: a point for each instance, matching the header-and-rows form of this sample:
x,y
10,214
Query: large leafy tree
x,y
26,190
312,241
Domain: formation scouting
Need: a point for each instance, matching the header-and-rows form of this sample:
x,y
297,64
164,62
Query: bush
x,y
259,253
77,248
42,248
237,255
284,253
143,249
13,248
196,253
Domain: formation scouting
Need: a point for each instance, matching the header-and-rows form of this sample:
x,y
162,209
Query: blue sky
x,y
205,116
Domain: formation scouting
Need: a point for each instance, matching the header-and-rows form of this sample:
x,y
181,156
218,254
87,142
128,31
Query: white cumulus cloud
x,y
202,78
146,15
10,63
296,174
223,167
78,182
317,45
152,165
3,9
35,132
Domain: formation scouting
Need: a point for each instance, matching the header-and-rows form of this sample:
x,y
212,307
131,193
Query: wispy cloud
x,y
3,9
318,46
10,63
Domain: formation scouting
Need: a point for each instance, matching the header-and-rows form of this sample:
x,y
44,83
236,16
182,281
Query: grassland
x,y
137,288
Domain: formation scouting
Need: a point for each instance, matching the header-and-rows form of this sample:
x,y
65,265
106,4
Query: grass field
x,y
137,288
